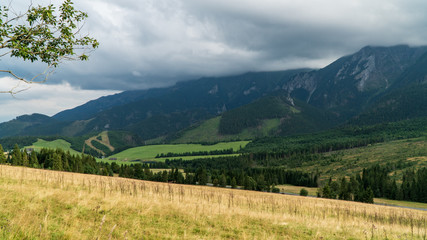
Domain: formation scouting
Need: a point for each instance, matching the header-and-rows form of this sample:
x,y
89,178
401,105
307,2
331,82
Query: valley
x,y
183,119
216,152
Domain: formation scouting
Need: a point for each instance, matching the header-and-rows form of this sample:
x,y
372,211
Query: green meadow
x,y
58,143
150,152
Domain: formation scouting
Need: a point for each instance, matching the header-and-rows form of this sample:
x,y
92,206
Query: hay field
x,y
42,204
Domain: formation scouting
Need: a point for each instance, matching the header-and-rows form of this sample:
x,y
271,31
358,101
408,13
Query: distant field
x,y
401,203
312,191
58,143
150,152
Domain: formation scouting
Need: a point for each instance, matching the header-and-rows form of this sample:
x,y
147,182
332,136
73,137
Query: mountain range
x,y
373,85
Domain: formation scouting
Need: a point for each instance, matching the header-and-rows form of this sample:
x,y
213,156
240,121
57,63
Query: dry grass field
x,y
40,204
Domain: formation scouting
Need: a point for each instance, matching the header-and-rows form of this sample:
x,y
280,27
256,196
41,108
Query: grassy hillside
x,y
59,143
57,205
151,151
269,116
208,131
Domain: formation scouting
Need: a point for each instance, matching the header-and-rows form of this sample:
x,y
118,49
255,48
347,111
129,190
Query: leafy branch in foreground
x,y
44,34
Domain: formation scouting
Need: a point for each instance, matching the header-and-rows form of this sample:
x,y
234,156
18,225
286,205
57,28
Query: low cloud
x,y
42,98
155,43
171,40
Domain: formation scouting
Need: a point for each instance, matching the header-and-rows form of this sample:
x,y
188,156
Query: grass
x,y
145,153
41,204
149,152
58,143
208,132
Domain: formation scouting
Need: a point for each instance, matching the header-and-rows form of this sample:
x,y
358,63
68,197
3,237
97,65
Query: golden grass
x,y
41,204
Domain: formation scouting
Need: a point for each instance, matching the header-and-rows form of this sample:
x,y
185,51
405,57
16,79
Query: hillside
x,y
401,155
102,144
57,205
59,143
154,113
273,115
160,152
373,85
406,103
350,84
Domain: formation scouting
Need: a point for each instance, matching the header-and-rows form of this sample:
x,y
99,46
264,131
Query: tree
x,y
56,162
303,192
34,162
45,34
25,161
326,191
233,183
2,155
222,180
344,190
16,156
202,176
249,183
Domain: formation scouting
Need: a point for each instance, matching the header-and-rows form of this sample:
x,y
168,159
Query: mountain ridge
x,y
349,87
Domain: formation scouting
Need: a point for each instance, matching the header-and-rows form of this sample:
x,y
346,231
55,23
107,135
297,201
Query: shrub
x,y
303,192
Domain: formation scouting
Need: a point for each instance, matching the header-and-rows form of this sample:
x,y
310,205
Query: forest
x,y
377,182
266,163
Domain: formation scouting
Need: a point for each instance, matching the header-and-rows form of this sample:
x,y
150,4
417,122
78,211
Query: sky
x,y
155,43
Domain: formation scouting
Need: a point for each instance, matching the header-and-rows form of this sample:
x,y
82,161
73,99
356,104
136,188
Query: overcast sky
x,y
152,43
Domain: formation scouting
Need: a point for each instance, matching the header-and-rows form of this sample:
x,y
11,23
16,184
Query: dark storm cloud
x,y
154,43
151,43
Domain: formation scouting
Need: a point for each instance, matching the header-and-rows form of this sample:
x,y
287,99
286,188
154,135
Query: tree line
x,y
236,172
376,181
52,159
239,174
196,153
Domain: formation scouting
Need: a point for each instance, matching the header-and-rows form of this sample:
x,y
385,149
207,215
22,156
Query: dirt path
x,y
104,141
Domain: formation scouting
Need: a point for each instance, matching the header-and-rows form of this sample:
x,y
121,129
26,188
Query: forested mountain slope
x,y
373,85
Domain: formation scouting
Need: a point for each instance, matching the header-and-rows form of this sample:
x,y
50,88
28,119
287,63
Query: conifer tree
x,y
233,183
2,155
25,161
16,156
34,162
222,181
57,162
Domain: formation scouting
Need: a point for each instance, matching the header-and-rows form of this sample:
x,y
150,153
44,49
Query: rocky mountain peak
x,y
349,80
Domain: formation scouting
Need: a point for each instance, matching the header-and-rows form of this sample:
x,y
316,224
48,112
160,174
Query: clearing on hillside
x,y
58,143
149,153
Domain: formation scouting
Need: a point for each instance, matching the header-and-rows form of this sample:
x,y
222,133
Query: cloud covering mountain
x,y
152,43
